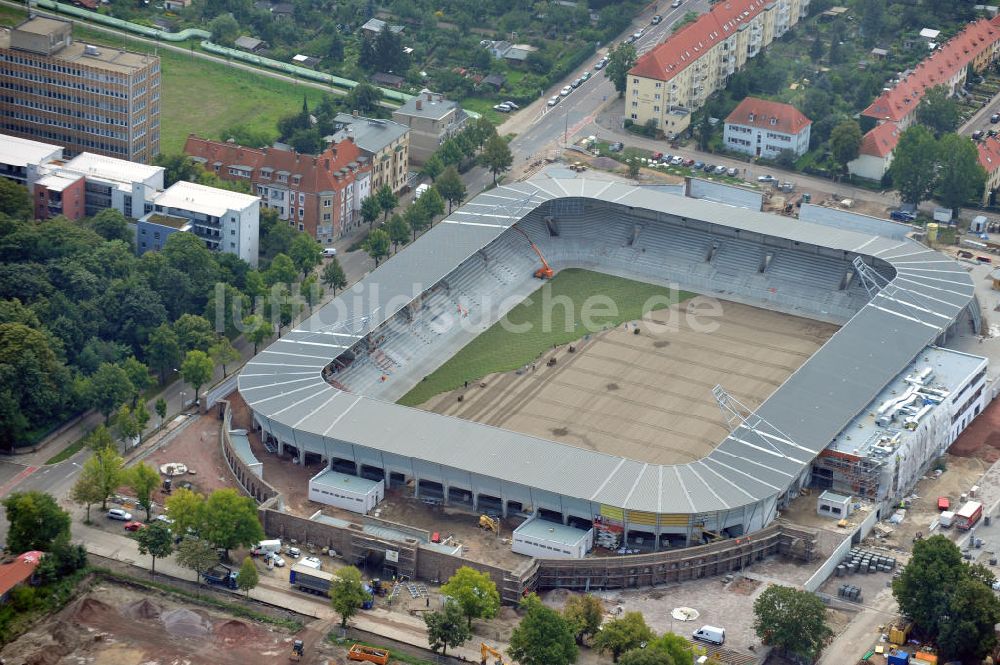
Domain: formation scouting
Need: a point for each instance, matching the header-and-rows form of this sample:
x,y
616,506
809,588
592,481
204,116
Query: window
x,y
232,232
302,227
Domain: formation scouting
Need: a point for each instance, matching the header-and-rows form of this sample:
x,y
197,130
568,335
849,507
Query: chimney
x,y
420,105
430,97
354,113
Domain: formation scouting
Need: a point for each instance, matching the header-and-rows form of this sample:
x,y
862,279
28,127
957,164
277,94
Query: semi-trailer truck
x,y
310,580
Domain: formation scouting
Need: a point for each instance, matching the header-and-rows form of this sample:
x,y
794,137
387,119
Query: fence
x,y
824,572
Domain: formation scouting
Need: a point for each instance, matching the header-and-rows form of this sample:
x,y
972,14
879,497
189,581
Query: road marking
x,y
13,482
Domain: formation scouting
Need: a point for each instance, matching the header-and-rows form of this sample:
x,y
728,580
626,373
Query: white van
x,y
329,251
420,191
710,634
266,546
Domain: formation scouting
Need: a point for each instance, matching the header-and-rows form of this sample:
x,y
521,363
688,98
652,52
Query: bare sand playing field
x,y
645,396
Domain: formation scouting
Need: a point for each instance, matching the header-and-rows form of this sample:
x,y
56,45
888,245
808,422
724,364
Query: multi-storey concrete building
x,y
764,128
318,194
86,98
677,76
432,120
387,143
19,157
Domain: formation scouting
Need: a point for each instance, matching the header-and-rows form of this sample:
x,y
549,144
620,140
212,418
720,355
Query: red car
x,y
134,526
657,156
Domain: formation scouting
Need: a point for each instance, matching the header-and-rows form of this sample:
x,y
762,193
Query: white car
x,y
677,161
503,108
554,100
566,90
163,518
675,4
511,105
275,559
119,514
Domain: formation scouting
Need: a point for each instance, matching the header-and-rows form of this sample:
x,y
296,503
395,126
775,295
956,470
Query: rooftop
x,y
203,199
551,531
431,105
345,482
103,57
764,114
171,221
119,171
21,152
19,570
370,135
880,140
57,181
989,154
377,25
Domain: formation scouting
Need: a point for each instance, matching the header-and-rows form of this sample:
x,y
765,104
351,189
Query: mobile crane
x,y
545,272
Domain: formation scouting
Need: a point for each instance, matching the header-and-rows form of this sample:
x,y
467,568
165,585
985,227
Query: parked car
x,y
503,108
293,552
995,118
553,100
275,559
163,518
600,63
708,168
329,251
976,135
577,83
720,169
119,514
657,156
697,166
733,172
767,178
134,526
677,160
687,162
512,105
991,133
657,20
675,4
616,147
585,76
566,90
902,215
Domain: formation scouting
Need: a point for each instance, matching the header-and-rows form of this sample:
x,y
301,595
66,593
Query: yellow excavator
x,y
487,651
489,523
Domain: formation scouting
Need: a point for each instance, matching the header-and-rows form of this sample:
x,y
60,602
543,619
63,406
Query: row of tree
x,y
947,168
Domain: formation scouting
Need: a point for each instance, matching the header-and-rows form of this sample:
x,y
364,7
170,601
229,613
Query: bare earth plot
x,y
645,395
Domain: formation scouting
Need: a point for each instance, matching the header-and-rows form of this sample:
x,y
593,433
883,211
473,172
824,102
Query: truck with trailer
x,y
968,515
308,579
220,575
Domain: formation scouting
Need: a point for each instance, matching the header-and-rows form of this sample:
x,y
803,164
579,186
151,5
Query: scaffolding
x,y
854,475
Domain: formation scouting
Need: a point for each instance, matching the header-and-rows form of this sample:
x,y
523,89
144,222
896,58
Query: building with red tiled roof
x,y
875,153
17,572
318,194
989,159
678,75
763,128
977,45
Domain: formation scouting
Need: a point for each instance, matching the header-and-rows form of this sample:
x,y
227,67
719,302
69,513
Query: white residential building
x,y
765,129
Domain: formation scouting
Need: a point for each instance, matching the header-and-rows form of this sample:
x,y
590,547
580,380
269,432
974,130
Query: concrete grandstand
x,y
326,388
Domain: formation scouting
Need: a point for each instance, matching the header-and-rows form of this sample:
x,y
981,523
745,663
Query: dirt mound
x,y
606,164
143,609
508,614
234,630
90,609
184,623
49,656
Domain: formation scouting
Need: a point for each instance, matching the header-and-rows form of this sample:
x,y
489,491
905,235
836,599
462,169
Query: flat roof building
x,y
19,155
550,540
86,98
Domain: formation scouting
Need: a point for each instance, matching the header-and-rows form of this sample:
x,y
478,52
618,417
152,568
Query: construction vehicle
x,y
486,651
369,654
489,523
545,272
298,650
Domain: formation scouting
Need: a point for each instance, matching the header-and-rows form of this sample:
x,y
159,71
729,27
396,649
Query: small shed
x,y
831,504
551,540
305,60
359,495
251,44
879,53
388,80
495,81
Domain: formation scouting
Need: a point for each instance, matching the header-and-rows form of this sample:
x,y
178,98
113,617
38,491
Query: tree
x,y
938,111
196,554
967,634
633,168
225,29
926,583
432,168
248,577
15,201
676,647
281,271
960,176
446,628
845,140
370,210
35,521
475,592
364,98
143,479
347,593
912,170
108,389
431,203
197,370
333,275
87,490
138,376
496,156
377,245
156,541
399,231
622,634
311,291
229,520
646,657
416,219
194,332
126,425
620,59
224,353
584,614
163,350
387,201
111,225
792,620
185,508
542,637
108,472
451,187
161,409
305,253
257,329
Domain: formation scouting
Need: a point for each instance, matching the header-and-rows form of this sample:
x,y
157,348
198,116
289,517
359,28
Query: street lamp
x,y
182,400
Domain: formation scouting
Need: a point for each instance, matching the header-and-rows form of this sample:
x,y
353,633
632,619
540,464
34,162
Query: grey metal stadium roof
x,y
284,384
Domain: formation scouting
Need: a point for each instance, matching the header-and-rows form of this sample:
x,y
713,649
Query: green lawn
x,y
204,98
501,350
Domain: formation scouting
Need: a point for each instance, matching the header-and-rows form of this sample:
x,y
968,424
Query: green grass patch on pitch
x,y
500,349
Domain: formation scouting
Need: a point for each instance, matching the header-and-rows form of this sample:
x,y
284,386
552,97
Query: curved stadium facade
x,y
474,257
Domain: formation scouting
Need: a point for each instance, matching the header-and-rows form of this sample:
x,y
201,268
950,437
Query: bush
x,y
23,598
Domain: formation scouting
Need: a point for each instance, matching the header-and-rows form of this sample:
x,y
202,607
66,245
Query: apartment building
x,y
19,157
989,159
875,153
386,143
765,129
677,76
319,194
432,120
85,98
227,221
106,182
